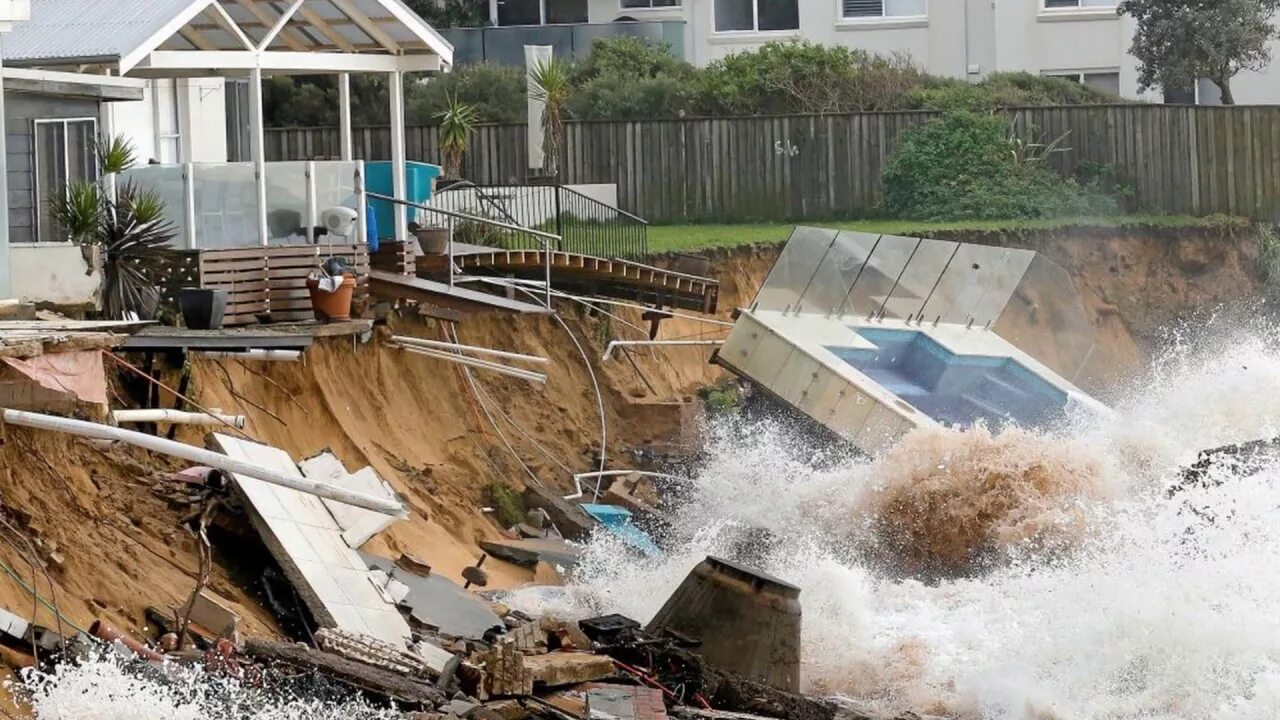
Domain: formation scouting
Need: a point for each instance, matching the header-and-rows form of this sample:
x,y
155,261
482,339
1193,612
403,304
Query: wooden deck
x,y
586,274
394,286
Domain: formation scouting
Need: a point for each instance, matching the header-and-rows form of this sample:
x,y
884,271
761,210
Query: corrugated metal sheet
x,y
87,28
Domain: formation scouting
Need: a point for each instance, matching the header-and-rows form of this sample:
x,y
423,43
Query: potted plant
x,y
552,84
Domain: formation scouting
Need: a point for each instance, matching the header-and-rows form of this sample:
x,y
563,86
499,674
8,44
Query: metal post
x,y
189,202
396,80
362,206
344,117
257,141
312,210
6,289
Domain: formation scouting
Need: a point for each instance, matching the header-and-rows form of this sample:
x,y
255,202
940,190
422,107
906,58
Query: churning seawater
x,y
996,573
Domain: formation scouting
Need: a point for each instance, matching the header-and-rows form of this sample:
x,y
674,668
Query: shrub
x,y
495,92
631,78
971,166
508,504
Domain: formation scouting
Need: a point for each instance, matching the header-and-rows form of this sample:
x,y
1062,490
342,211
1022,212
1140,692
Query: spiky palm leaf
x,y
74,209
135,238
115,154
457,121
552,86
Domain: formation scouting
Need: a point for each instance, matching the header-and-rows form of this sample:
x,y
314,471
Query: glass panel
x,y
779,14
82,151
51,175
1045,319
226,205
335,187
734,15
963,284
167,183
919,278
519,12
1000,285
1103,82
566,11
837,272
287,203
794,269
881,274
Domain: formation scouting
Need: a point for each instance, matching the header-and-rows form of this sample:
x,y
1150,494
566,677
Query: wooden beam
x,y
367,25
314,18
197,38
226,22
280,24
264,17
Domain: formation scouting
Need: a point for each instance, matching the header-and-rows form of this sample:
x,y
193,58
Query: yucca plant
x,y
457,121
115,155
552,84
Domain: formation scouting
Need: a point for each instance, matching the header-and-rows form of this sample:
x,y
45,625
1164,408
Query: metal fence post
x,y
189,202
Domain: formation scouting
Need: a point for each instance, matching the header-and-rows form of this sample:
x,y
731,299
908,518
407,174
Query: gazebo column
x,y
396,81
344,117
258,149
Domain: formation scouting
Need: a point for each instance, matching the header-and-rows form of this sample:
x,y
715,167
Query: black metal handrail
x,y
585,225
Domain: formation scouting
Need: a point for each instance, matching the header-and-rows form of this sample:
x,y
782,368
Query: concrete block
x,y
558,669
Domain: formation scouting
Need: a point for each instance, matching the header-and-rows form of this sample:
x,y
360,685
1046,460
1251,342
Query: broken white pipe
x,y
441,345
262,354
202,457
177,417
608,351
601,475
477,363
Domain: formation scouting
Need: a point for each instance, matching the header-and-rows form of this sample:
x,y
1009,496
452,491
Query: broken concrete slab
x,y
439,602
529,552
212,613
334,583
558,669
624,702
568,517
358,524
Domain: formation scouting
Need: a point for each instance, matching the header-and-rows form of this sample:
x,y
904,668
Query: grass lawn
x,y
678,238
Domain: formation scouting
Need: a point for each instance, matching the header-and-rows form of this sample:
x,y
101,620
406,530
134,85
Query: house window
x,y
1077,4
646,4
168,126
541,12
1107,82
64,152
756,15
871,9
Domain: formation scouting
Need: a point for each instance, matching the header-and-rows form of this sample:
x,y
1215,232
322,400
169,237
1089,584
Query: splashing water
x,y
1010,574
1066,583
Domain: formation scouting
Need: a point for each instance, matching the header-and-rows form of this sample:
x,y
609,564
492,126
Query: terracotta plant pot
x,y
332,306
433,240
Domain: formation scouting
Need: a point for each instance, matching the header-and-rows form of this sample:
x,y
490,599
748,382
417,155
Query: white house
x,y
1081,39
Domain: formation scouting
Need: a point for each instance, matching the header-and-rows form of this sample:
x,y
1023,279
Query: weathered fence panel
x,y
1179,159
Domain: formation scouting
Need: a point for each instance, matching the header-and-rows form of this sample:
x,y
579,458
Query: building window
x,y
168,125
1107,82
541,12
756,15
1077,4
647,4
64,153
872,9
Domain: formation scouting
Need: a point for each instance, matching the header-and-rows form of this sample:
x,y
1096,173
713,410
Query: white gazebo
x,y
253,39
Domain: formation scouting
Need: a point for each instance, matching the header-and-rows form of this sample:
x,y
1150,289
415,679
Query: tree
x,y
1177,42
457,121
552,85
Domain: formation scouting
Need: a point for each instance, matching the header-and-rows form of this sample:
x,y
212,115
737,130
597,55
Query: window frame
x,y
37,183
542,15
1079,7
755,22
882,18
650,7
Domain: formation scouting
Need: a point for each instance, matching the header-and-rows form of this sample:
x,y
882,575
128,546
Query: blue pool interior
x,y
950,388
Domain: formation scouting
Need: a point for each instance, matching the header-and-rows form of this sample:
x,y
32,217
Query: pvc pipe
x,y
438,344
263,354
201,457
476,363
608,351
600,476
177,417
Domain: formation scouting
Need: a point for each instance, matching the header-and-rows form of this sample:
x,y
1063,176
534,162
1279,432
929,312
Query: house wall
x,y
53,273
971,39
200,107
21,109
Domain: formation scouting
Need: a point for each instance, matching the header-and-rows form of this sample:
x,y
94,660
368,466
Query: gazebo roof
x,y
162,38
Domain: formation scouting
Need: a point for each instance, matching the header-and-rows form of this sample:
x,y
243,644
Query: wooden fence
x,y
1196,160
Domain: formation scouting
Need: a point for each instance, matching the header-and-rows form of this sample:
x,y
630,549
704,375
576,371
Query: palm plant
x,y
126,226
457,121
552,84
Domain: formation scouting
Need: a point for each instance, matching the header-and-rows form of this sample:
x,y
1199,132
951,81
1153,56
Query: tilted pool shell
x,y
745,621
